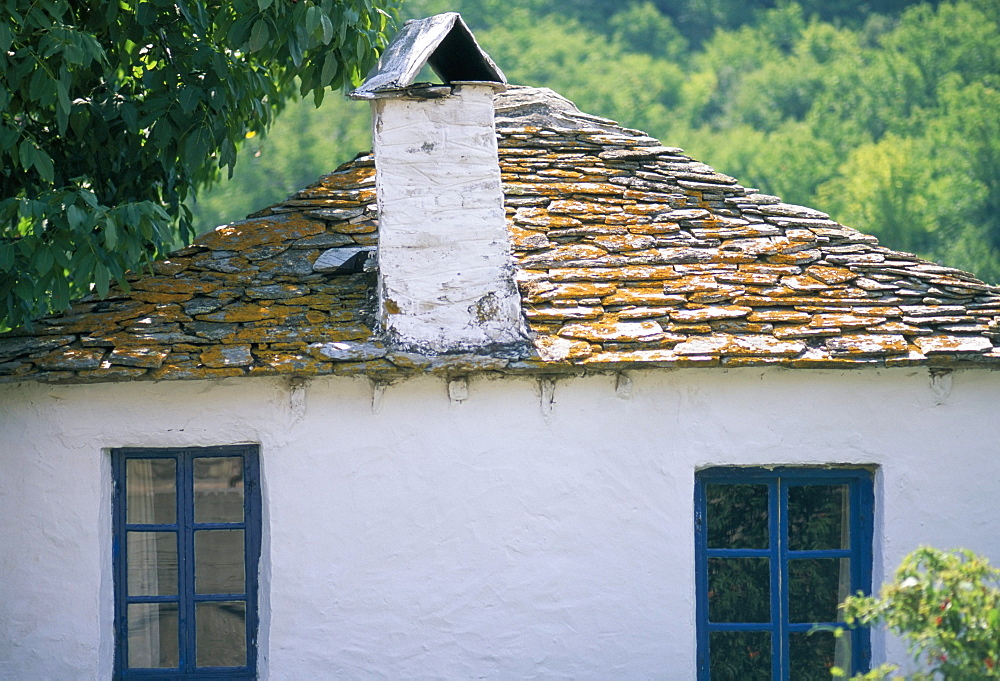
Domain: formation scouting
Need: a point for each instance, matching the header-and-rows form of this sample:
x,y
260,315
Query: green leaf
x,y
258,36
26,153
263,4
75,216
6,38
8,136
313,15
110,233
295,50
101,280
42,261
6,257
327,29
239,31
189,99
43,164
330,66
145,14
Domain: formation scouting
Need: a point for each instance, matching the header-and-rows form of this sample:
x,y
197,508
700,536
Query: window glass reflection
x,y
740,655
152,635
220,632
816,517
218,489
151,488
218,562
152,563
737,516
739,590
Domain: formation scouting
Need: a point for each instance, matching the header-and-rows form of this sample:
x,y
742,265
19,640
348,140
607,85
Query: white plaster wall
x,y
489,538
445,275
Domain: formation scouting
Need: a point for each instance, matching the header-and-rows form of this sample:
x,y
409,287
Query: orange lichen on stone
x,y
844,321
740,277
541,291
804,331
240,236
580,208
698,282
219,356
725,344
245,312
647,208
71,359
831,275
555,349
96,322
803,283
642,296
364,227
168,268
706,314
942,344
866,344
168,372
176,286
633,356
550,313
527,238
138,356
626,273
624,242
294,363
612,331
153,297
568,252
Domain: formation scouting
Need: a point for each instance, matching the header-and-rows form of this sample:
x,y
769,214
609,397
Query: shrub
x,y
946,606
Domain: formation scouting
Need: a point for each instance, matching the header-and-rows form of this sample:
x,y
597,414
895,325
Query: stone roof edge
x,y
384,370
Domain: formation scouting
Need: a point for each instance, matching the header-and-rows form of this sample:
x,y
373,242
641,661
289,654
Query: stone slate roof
x,y
629,254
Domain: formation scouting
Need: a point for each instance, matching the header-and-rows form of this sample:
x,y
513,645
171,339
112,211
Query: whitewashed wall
x,y
489,538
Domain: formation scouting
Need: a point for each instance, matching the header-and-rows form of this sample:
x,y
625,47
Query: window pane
x,y
739,590
740,655
218,489
221,639
152,563
812,655
737,516
816,517
815,588
152,635
151,490
218,561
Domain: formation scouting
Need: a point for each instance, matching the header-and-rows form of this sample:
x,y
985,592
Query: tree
x,y
113,114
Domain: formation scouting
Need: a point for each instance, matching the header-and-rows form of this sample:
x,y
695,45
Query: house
x,y
523,394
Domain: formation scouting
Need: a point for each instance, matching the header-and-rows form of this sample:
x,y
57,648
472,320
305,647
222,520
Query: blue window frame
x,y
186,526
777,550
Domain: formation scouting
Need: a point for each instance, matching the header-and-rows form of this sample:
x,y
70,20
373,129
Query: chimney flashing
x,y
443,41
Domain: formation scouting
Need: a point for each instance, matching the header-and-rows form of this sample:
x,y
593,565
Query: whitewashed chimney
x,y
446,280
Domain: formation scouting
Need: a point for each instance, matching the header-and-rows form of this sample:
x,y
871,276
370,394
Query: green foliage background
x,y
884,114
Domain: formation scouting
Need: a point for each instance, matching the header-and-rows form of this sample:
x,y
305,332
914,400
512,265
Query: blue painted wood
x,y
185,526
861,524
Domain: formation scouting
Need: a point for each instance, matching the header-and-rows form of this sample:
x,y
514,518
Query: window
x,y
186,547
777,550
